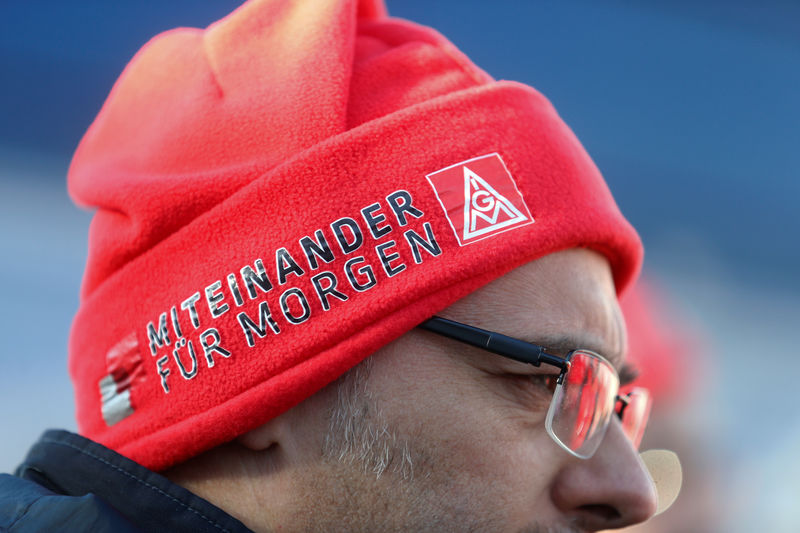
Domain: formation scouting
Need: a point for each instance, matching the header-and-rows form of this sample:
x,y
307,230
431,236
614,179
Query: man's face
x,y
444,437
452,438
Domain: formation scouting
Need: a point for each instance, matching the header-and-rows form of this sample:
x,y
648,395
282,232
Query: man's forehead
x,y
563,301
561,345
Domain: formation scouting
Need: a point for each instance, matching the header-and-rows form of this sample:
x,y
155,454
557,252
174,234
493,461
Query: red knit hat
x,y
288,190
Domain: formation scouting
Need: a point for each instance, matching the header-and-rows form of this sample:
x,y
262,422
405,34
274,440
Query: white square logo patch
x,y
479,198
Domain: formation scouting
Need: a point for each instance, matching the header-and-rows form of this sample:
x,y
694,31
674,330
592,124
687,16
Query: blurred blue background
x,y
690,109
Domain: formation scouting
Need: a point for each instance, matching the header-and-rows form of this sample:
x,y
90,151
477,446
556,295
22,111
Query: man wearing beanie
x,y
339,279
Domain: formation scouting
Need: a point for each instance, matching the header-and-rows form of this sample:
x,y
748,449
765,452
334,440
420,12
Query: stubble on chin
x,y
372,476
375,478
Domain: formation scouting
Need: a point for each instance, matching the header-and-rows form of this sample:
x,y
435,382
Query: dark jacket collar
x,y
69,464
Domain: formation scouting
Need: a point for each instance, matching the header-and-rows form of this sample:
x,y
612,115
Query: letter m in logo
x,y
480,198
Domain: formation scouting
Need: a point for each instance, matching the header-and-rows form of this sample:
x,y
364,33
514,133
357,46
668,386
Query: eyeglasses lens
x,y
583,404
635,414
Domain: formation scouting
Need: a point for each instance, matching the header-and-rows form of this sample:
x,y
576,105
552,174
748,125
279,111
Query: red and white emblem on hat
x,y
480,198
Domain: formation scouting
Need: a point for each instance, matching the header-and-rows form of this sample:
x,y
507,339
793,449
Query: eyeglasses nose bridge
x,y
625,401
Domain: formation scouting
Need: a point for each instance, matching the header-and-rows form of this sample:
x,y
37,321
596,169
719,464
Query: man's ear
x,y
265,436
299,430
295,429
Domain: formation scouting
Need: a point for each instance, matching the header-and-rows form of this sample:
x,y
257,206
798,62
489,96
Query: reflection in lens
x,y
635,415
583,403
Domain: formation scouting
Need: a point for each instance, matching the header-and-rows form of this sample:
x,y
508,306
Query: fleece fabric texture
x,y
273,206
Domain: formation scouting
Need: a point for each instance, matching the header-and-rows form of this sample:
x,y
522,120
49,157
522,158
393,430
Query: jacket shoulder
x,y
26,506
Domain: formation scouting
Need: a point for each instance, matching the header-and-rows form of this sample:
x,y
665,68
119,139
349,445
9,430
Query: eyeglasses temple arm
x,y
510,347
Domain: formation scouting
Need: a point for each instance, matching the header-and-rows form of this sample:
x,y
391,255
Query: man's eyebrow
x,y
557,345
561,345
627,374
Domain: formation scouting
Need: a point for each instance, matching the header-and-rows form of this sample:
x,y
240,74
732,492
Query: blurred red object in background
x,y
662,346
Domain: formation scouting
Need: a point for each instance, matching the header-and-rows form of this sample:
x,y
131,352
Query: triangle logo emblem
x,y
480,198
485,209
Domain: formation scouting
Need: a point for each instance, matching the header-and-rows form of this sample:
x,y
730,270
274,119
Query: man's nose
x,y
612,489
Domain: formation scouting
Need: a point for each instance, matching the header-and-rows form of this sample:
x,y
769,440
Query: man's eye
x,y
535,391
546,381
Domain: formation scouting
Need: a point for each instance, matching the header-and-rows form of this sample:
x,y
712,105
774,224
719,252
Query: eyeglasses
x,y
586,392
